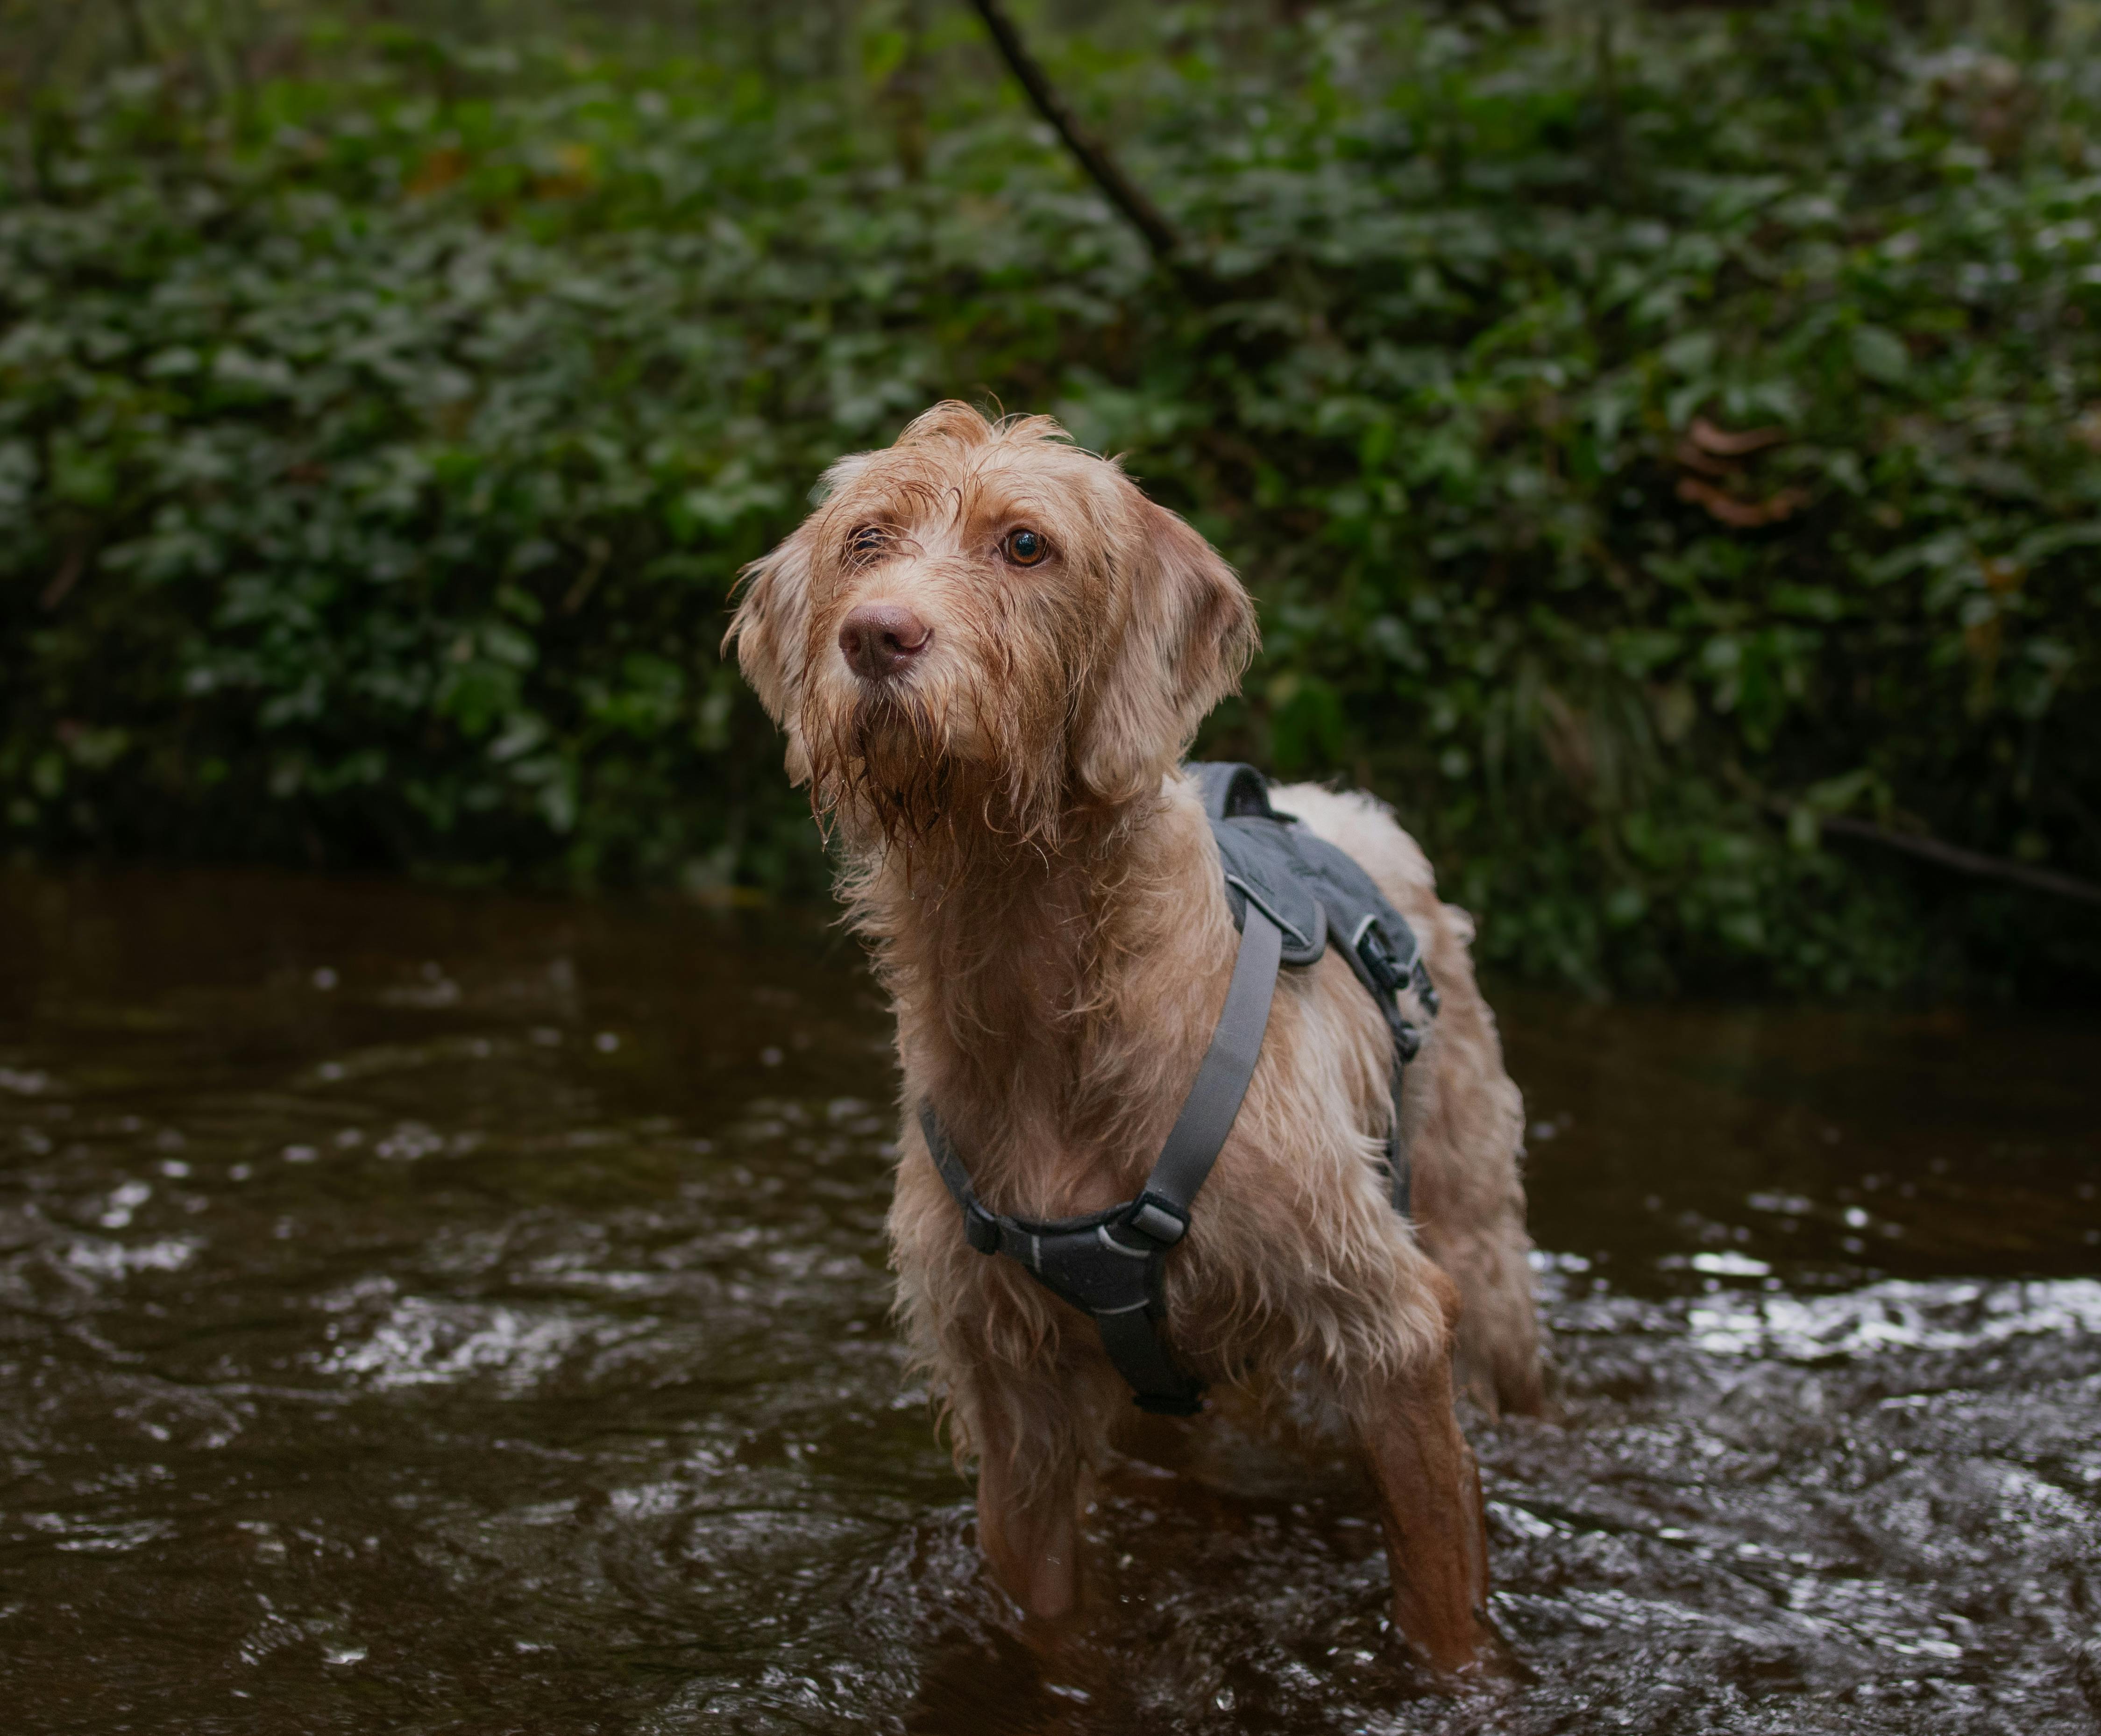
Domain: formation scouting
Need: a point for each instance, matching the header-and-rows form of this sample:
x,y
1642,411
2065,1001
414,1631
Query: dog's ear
x,y
1184,634
771,632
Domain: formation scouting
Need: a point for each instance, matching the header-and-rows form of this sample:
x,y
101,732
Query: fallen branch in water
x,y
1141,213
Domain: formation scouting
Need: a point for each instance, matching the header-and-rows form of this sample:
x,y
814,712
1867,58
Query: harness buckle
x,y
1385,968
1380,959
980,1227
1157,1220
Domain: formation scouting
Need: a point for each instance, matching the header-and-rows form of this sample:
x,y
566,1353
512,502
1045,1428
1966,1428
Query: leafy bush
x,y
1640,456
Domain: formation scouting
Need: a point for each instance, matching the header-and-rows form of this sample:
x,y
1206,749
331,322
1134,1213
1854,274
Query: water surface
x,y
433,1312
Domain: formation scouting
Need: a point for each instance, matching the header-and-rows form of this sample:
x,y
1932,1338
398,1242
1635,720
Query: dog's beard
x,y
889,770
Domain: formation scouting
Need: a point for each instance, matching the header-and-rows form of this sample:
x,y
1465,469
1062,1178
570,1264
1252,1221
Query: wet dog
x,y
988,651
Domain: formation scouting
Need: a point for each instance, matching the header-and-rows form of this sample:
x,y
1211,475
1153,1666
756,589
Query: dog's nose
x,y
880,639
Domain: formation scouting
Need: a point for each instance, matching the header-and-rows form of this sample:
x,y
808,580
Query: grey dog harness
x,y
1292,896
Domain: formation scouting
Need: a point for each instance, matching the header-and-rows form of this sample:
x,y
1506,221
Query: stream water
x,y
443,1311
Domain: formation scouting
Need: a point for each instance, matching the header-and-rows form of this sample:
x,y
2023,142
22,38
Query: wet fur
x,y
1043,900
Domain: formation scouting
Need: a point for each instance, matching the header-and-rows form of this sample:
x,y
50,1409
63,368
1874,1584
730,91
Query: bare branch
x,y
1143,215
1962,860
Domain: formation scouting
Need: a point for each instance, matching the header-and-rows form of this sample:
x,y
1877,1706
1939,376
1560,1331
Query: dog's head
x,y
985,627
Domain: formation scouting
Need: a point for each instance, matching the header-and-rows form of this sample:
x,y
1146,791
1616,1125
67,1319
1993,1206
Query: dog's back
x,y
1462,1117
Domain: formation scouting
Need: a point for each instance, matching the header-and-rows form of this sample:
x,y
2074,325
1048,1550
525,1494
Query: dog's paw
x,y
1488,1664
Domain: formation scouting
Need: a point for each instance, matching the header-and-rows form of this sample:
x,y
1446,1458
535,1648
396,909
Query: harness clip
x,y
1157,1220
1426,991
1379,958
1385,968
980,1227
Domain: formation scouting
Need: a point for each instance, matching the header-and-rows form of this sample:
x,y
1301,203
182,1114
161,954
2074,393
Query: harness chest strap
x,y
1110,1264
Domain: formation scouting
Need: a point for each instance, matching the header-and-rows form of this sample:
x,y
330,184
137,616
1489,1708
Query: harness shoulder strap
x,y
1399,1172
1199,1134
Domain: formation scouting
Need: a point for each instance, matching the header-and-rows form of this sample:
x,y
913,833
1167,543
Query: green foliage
x,y
1632,468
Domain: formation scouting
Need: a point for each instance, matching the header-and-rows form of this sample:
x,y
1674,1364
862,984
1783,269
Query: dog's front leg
x,y
1436,1532
1028,1503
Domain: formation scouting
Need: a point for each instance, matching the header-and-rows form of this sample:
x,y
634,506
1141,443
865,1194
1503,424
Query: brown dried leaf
x,y
1692,458
1726,445
438,170
1742,515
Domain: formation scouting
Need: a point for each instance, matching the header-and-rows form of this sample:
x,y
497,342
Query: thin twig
x,y
1143,215
1608,90
1962,860
67,576
138,39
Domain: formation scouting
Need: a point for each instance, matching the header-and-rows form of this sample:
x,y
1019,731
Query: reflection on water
x,y
423,1312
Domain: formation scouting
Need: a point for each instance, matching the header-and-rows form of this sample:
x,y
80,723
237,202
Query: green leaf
x,y
1880,354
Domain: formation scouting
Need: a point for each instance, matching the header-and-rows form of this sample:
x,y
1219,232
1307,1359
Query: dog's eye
x,y
1024,548
866,541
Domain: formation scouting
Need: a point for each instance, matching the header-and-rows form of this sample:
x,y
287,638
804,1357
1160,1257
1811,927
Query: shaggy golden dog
x,y
987,650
